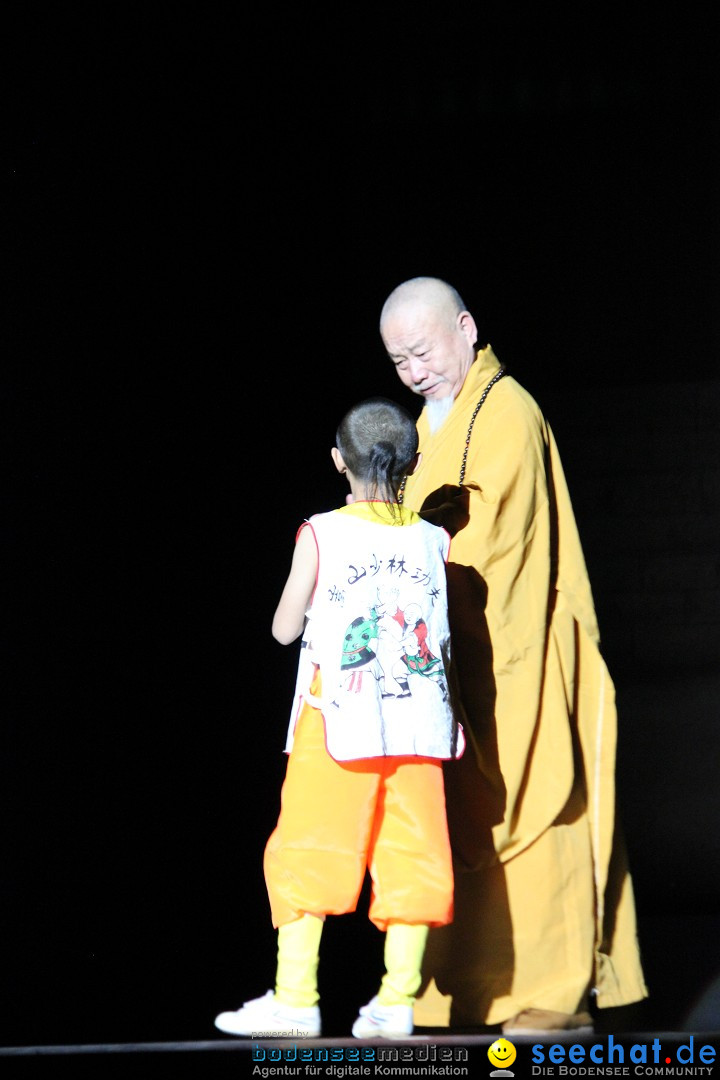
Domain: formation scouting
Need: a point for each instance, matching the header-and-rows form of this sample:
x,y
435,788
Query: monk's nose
x,y
418,371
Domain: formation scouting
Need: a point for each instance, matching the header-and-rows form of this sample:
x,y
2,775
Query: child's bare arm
x,y
289,619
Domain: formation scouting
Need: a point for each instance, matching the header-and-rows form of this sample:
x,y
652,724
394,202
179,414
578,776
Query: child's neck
x,y
360,493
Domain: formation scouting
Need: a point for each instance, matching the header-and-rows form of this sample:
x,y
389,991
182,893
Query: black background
x,y
205,214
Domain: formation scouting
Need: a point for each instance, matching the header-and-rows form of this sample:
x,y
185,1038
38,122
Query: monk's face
x,y
432,351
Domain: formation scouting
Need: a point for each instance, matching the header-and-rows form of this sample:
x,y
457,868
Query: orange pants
x,y
339,819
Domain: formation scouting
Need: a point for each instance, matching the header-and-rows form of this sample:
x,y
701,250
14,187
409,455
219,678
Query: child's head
x,y
378,442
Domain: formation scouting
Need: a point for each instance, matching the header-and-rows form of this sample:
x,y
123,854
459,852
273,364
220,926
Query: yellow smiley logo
x,y
502,1053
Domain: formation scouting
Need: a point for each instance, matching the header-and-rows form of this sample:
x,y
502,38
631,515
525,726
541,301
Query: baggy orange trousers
x,y
340,819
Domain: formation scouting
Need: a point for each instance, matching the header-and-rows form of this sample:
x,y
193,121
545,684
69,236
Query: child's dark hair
x,y
378,440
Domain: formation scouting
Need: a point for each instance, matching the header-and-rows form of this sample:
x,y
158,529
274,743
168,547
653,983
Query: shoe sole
x,y
258,1030
378,1033
265,1033
549,1031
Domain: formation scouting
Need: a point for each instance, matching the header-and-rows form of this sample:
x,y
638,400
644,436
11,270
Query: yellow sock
x,y
404,951
297,962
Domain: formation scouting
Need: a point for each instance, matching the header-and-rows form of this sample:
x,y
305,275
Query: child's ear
x,y
338,460
414,465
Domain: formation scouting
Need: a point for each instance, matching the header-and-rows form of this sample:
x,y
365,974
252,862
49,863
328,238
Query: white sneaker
x,y
264,1018
378,1021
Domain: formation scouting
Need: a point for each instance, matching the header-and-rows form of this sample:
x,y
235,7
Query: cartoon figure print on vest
x,y
393,635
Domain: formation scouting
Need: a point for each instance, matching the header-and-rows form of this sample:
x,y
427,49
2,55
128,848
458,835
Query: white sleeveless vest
x,y
378,628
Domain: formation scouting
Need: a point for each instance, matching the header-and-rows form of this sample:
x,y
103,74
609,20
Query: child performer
x,y
369,730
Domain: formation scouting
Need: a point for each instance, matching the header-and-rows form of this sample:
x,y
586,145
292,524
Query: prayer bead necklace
x,y
496,378
486,391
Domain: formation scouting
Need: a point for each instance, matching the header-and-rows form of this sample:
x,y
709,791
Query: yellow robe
x,y
544,907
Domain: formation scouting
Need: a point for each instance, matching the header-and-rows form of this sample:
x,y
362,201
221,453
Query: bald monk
x,y
544,909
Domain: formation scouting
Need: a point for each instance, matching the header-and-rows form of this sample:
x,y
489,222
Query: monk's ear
x,y
466,325
338,461
414,465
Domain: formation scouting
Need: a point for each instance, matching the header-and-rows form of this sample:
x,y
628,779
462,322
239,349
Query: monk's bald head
x,y
424,292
